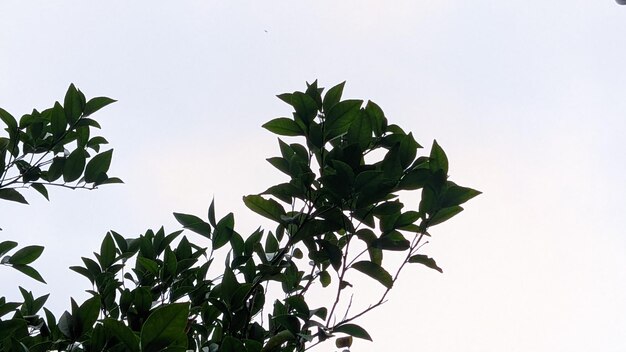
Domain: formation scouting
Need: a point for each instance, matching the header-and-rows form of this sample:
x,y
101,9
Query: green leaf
x,y
268,208
212,213
26,255
122,333
231,344
305,106
415,179
457,195
29,271
72,104
284,126
360,131
12,195
74,165
58,122
339,118
98,165
325,278
194,224
438,159
444,214
425,260
6,246
333,96
393,241
374,271
406,219
88,314
353,330
223,231
8,119
96,104
377,118
109,180
56,169
164,326
41,189
107,252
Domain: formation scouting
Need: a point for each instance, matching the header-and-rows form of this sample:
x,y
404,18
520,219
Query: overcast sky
x,y
526,97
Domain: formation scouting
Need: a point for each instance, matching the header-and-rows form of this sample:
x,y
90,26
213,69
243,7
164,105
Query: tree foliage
x,y
337,215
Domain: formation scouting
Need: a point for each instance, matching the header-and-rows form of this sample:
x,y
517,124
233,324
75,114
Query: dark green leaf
x,y
353,330
107,252
457,195
305,106
74,165
423,259
231,344
360,131
438,159
41,189
30,271
6,246
26,255
444,214
12,195
377,118
339,118
56,169
72,104
96,104
333,96
374,271
164,326
98,165
223,231
88,314
325,278
123,333
284,126
194,224
8,119
268,208
415,179
58,122
212,213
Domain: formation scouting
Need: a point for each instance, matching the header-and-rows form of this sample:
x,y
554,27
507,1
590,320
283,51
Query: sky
x,y
526,98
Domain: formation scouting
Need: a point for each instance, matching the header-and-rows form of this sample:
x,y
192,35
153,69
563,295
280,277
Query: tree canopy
x,y
338,213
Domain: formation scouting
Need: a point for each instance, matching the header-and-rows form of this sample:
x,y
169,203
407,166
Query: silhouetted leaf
x,y
457,195
41,189
30,271
164,326
12,195
6,246
353,330
284,126
194,224
268,208
374,271
26,255
98,165
444,214
333,96
74,165
425,260
122,333
96,104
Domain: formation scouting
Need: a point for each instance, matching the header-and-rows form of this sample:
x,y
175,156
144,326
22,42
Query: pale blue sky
x,y
526,97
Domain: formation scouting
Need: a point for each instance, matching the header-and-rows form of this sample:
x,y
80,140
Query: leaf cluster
x,y
54,147
337,215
